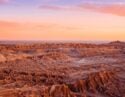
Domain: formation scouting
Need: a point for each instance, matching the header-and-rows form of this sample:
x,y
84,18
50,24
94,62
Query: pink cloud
x,y
115,9
4,1
49,7
53,7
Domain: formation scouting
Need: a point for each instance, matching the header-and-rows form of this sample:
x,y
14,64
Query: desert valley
x,y
62,69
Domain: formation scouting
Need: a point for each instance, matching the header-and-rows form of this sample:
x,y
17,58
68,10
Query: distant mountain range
x,y
117,43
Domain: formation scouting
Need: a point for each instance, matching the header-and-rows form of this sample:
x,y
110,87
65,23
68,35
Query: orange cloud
x,y
8,24
102,28
15,30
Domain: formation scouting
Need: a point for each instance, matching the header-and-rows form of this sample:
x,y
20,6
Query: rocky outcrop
x,y
100,83
2,58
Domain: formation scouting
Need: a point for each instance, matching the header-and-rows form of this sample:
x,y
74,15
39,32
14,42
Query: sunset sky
x,y
62,20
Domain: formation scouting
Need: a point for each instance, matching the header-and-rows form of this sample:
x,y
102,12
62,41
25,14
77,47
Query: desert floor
x,y
62,70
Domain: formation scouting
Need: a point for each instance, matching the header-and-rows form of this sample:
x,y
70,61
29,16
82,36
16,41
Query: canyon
x,y
53,69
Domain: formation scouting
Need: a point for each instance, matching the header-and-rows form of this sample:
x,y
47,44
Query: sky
x,y
62,20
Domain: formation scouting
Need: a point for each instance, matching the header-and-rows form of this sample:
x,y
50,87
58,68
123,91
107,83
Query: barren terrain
x,y
62,69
